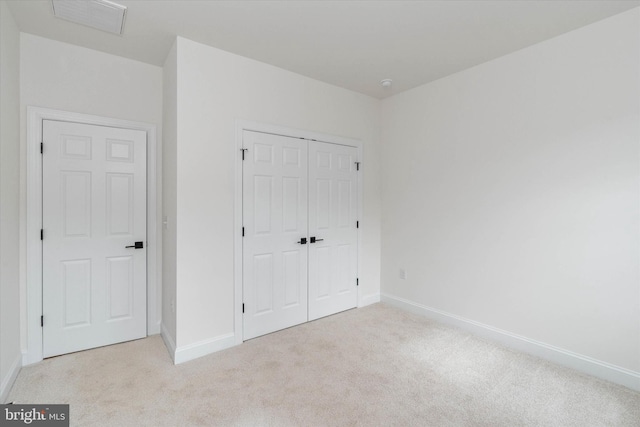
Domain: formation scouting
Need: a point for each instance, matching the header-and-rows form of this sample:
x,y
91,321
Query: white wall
x,y
10,354
511,193
169,197
66,77
214,89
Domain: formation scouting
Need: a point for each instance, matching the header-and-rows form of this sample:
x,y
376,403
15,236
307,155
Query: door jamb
x,y
241,126
33,306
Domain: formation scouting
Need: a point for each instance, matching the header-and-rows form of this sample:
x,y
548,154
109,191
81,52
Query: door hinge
x,y
41,321
243,150
243,307
41,147
41,234
357,166
242,231
357,281
357,224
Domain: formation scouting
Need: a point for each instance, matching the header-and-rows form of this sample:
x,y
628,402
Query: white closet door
x,y
332,223
94,205
275,221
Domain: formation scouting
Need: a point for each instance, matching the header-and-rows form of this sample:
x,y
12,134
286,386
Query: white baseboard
x,y
168,342
28,358
10,378
369,299
202,348
154,329
579,362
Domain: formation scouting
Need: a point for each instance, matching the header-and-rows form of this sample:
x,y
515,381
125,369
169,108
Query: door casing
x,y
32,310
241,126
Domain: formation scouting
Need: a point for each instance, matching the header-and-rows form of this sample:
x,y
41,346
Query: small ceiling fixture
x,y
100,14
386,83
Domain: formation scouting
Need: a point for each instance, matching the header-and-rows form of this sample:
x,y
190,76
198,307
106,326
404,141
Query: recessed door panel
x,y
120,150
344,204
343,269
291,193
345,162
94,205
263,153
120,284
75,147
291,156
323,203
291,261
76,288
263,280
321,264
263,204
76,203
323,159
120,207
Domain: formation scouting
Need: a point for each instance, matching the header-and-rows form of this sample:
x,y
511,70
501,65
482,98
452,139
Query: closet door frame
x,y
244,125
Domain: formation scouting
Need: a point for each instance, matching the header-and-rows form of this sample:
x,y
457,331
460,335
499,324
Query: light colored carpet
x,y
375,366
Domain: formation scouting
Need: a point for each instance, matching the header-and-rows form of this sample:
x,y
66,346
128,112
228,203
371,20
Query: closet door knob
x,y
303,241
313,239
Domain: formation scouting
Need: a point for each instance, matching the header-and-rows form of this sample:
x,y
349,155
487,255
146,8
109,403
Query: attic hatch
x,y
99,14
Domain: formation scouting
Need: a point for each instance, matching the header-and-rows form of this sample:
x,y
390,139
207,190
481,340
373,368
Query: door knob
x,y
313,239
303,241
137,245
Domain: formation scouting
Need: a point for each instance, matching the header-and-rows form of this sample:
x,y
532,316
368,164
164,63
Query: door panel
x,y
291,262
275,219
120,204
76,285
120,287
94,204
332,218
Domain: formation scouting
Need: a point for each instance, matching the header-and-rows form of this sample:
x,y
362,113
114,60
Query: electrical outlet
x,y
403,274
165,222
173,306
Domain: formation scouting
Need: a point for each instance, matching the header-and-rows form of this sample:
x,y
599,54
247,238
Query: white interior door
x,y
275,221
333,214
94,207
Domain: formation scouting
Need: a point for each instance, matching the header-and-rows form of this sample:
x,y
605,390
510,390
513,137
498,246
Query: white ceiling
x,y
353,44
